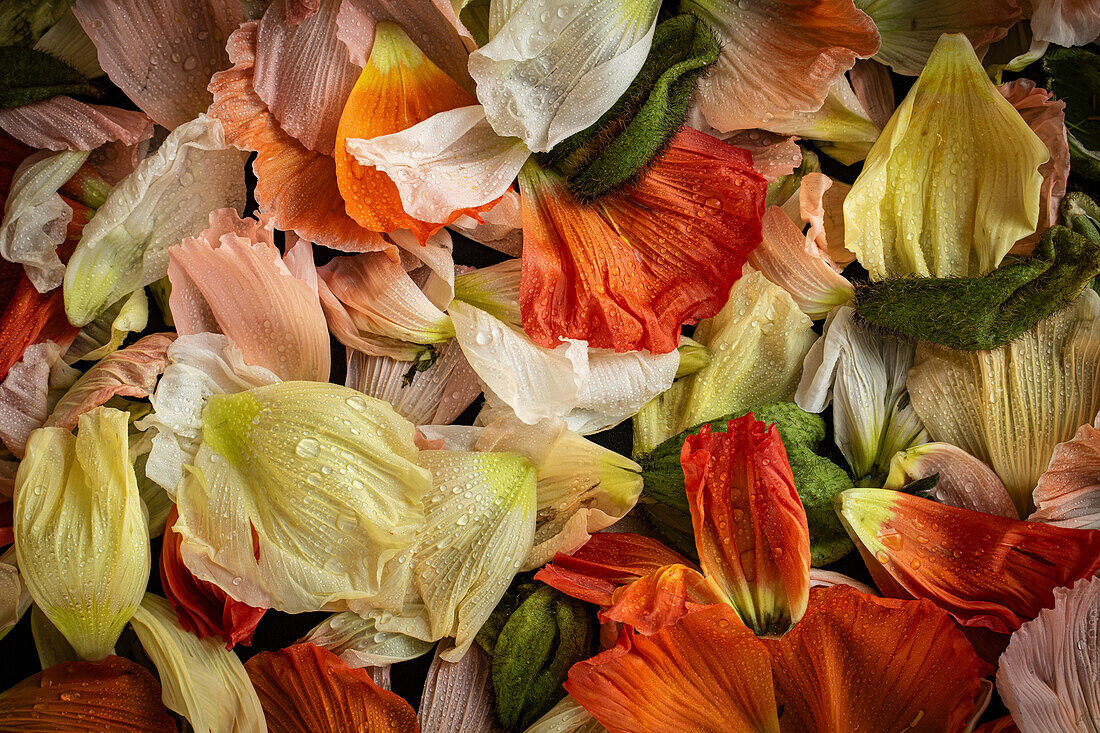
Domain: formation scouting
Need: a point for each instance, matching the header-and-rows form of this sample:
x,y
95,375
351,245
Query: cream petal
x,y
359,643
566,717
458,695
1068,492
840,126
618,385
64,123
501,227
67,41
964,481
109,329
14,597
493,289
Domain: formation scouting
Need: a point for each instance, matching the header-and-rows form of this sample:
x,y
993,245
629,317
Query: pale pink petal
x,y
64,123
825,578
874,89
162,52
458,696
1068,492
1064,22
821,205
129,372
773,155
964,481
299,10
24,395
231,280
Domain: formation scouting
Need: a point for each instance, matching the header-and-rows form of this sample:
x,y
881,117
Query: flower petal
x,y
360,643
964,481
566,717
458,695
660,599
841,127
986,571
161,53
304,687
1068,492
808,48
64,123
25,394
927,210
874,89
1064,22
31,317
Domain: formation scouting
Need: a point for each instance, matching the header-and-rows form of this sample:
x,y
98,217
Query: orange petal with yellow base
x,y
986,571
660,599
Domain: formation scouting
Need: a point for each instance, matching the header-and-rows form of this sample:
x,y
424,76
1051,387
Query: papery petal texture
x,y
1068,492
64,123
25,395
1065,22
360,643
931,210
963,481
986,571
161,53
458,695
841,127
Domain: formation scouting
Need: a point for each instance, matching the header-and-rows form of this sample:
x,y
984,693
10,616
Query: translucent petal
x,y
963,481
64,123
1068,492
359,642
458,695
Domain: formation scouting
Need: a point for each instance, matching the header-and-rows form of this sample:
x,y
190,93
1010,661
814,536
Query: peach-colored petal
x,y
1068,492
161,52
773,155
964,481
231,280
874,89
295,185
821,205
63,123
1064,22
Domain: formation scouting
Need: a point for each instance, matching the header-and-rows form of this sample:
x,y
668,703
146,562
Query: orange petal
x,y
706,673
307,688
660,599
398,88
627,271
984,570
114,694
1068,492
750,528
295,185
860,663
607,561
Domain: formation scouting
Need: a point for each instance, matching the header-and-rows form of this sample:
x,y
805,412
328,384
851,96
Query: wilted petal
x,y
458,695
552,68
202,681
64,123
963,481
707,672
841,127
31,317
821,205
1068,492
828,578
125,245
262,518
25,395
986,571
933,210
87,696
1009,407
161,53
874,89
231,280
81,533
14,597
1047,676
778,57
358,641
863,375
1064,22
106,332
856,662
304,687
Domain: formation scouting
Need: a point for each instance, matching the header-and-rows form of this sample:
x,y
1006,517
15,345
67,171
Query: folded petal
x,y
64,123
1047,676
929,210
87,696
1064,22
660,599
360,643
984,570
162,53
841,127
778,57
963,480
627,272
300,496
81,532
125,245
707,672
1009,407
304,687
566,717
295,185
1068,491
773,155
25,395
821,205
106,332
231,280
201,680
457,696
856,662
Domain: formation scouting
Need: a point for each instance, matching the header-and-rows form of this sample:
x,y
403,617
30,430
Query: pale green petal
x,y
1009,407
81,534
200,679
51,645
168,197
360,643
841,127
14,597
321,478
110,328
566,717
953,181
493,289
67,41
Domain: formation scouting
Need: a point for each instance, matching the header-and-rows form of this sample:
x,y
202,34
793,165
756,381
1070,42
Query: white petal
x,y
618,385
360,643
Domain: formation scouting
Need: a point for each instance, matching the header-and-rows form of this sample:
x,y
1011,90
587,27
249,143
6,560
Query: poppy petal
x,y
31,317
660,599
64,123
1068,492
1064,23
964,481
25,395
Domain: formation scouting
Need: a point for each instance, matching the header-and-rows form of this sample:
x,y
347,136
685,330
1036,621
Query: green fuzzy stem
x,y
817,479
1073,75
979,313
32,76
620,145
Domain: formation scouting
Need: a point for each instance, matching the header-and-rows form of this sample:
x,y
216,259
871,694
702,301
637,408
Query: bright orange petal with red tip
x,y
294,184
398,88
750,528
114,694
708,672
984,570
660,599
626,272
307,688
859,663
608,561
202,608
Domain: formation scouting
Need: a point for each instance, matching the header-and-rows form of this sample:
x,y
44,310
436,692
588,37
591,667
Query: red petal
x,y
982,569
660,599
860,663
626,272
307,688
750,528
114,694
202,608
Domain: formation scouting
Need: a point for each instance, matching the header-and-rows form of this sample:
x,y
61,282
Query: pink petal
x,y
161,52
231,280
821,205
1068,492
964,481
63,123
874,90
24,403
1065,22
773,155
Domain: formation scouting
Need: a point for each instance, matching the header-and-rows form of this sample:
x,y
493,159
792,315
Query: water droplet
x,y
308,448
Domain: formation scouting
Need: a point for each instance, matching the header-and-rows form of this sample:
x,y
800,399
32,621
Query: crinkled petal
x,y
954,208
773,155
493,289
1064,22
67,41
841,127
104,334
963,480
873,87
64,123
500,228
25,395
778,57
618,385
161,53
458,695
566,717
821,205
1068,491
360,643
660,599
125,245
